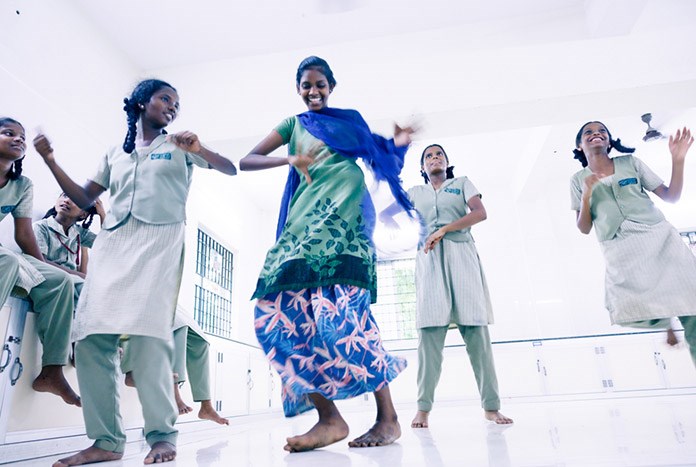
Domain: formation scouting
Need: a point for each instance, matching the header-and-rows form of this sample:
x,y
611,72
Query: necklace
x,y
77,250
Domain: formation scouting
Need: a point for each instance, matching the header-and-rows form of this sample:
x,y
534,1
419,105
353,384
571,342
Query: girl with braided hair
x,y
64,237
142,239
49,288
650,273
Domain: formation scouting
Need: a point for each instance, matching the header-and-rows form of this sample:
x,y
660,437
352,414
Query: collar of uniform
x,y
444,184
146,150
54,225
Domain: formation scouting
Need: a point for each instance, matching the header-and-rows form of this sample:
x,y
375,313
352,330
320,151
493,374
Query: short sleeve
x,y
41,233
470,190
285,129
87,237
198,161
25,204
575,193
103,174
648,178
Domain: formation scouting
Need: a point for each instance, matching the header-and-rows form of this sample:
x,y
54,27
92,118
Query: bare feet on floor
x,y
497,417
180,404
207,412
52,380
320,435
130,382
420,420
161,451
381,434
89,456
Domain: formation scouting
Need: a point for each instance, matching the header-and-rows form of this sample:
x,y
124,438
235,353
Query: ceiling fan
x,y
651,134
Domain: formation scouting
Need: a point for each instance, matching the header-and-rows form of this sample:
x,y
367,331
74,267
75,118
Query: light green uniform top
x,y
17,198
150,184
445,205
58,247
622,196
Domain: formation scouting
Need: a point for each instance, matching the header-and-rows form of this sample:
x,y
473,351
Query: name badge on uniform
x,y
165,155
628,181
454,191
7,209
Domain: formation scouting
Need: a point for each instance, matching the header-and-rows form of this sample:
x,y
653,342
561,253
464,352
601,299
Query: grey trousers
x,y
96,358
431,342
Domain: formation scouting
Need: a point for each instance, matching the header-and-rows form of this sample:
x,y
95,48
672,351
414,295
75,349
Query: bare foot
x,y
51,379
672,337
381,434
161,451
320,435
130,382
420,420
207,412
497,417
89,456
180,404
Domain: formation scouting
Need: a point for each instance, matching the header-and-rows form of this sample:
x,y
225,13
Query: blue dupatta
x,y
346,132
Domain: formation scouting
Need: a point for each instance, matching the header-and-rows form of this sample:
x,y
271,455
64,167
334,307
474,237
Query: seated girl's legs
x,y
152,373
431,341
480,351
689,323
53,301
96,357
9,271
179,368
198,369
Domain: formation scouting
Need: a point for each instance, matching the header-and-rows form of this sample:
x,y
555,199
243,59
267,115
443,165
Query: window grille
x,y
212,307
395,310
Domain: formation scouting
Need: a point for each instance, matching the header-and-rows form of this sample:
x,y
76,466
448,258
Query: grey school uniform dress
x,y
132,288
49,288
61,248
451,288
650,272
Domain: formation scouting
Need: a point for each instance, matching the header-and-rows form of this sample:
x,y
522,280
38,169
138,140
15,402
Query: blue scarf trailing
x,y
347,133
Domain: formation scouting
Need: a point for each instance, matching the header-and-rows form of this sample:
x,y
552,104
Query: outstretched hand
x,y
43,146
402,135
186,140
680,143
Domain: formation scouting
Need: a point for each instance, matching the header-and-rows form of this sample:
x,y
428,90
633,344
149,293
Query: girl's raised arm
x,y
82,196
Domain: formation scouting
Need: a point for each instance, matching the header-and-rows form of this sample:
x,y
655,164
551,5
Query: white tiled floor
x,y
626,431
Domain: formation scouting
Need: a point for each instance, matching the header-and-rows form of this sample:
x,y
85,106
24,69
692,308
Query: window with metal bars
x,y
212,307
395,310
689,237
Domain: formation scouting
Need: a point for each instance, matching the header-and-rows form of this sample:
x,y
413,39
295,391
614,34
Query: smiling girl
x,y
135,270
650,272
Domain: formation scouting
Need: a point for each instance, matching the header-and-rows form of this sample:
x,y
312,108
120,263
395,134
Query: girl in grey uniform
x,y
135,271
49,288
650,272
64,237
450,283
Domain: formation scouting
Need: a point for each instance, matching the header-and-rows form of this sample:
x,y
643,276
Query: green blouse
x,y
325,240
619,197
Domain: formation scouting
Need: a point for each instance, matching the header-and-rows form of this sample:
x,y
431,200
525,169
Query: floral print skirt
x,y
323,340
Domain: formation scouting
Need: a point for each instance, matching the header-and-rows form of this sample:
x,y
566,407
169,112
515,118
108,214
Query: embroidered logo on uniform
x,y
454,191
628,181
7,209
165,155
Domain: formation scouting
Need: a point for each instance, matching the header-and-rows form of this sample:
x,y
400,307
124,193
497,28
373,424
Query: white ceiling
x,y
158,34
